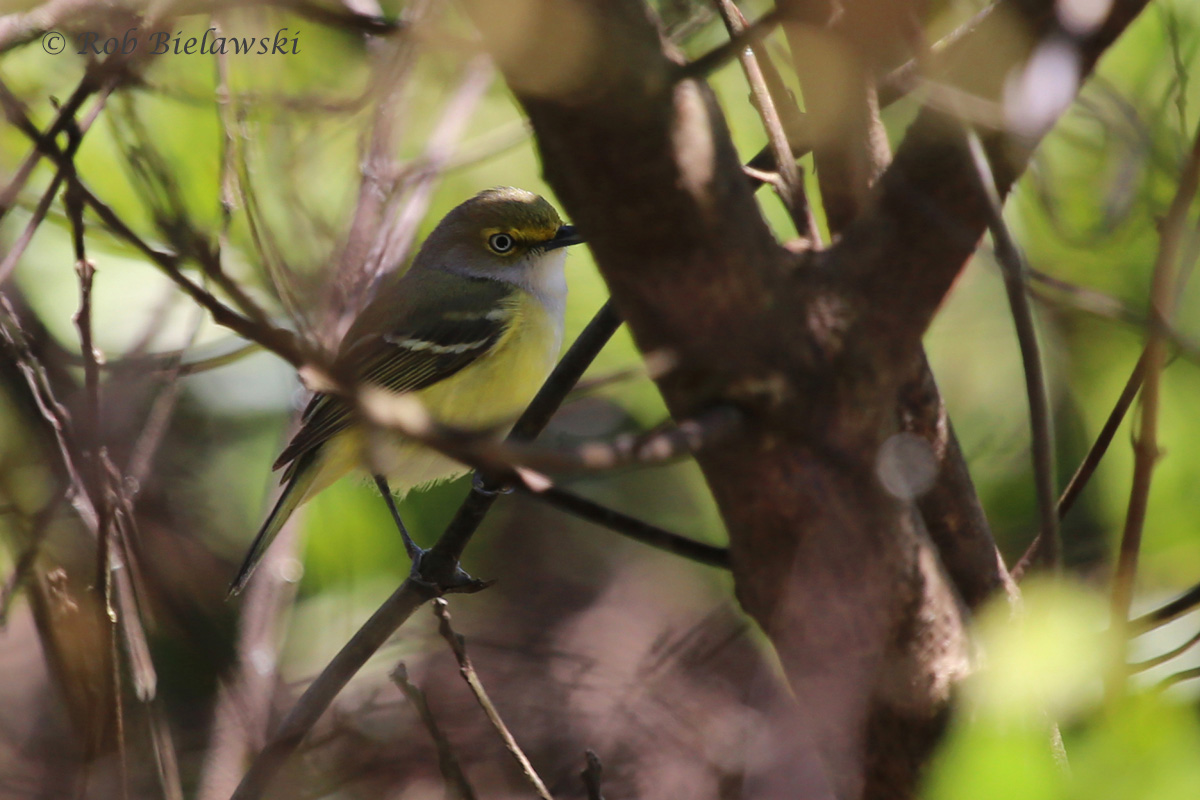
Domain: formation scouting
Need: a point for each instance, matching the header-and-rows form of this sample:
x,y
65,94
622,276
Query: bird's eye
x,y
501,242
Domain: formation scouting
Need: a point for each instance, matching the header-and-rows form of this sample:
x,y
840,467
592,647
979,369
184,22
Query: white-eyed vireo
x,y
472,329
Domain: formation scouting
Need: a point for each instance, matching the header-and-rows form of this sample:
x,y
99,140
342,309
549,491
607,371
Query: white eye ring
x,y
501,242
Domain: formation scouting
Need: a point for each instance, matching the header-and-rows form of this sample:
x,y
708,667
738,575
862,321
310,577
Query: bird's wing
x,y
433,336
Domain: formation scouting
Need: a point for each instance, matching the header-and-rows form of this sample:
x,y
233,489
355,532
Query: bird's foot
x,y
486,488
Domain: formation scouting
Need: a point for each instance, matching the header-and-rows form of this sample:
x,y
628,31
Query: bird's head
x,y
500,234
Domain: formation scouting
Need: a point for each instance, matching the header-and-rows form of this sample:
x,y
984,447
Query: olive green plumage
x,y
471,329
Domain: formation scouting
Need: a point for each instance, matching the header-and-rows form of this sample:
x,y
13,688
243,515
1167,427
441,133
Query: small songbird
x,y
472,329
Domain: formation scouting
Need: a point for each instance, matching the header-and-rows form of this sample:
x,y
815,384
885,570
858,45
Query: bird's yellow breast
x,y
494,389
490,392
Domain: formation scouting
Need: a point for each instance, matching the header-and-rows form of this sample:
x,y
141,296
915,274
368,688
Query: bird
x,y
471,330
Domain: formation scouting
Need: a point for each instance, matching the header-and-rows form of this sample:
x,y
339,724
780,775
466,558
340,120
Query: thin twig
x,y
1142,666
457,785
631,527
169,363
245,700
459,646
449,547
718,57
165,759
17,249
1179,677
38,530
50,409
591,776
1105,306
97,478
144,447
282,342
123,569
771,100
1162,305
64,114
1185,603
506,462
118,708
1013,269
1091,461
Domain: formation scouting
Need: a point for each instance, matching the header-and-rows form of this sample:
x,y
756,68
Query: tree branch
x,y
1145,449
631,527
459,646
457,785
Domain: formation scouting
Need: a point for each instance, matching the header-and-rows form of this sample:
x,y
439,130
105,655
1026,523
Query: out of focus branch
x,y
774,105
591,776
457,785
1087,467
1012,266
718,57
391,73
1175,652
393,242
9,195
279,341
1186,602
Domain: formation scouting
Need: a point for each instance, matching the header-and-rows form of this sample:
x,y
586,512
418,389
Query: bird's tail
x,y
295,492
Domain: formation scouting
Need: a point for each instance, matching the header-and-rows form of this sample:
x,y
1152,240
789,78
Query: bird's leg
x,y
410,547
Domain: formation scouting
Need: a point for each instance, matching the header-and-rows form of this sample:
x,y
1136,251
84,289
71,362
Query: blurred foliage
x,y
1086,213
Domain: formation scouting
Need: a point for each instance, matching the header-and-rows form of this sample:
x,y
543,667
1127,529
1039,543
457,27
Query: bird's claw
x,y
481,485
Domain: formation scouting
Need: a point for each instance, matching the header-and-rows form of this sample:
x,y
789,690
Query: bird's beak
x,y
564,237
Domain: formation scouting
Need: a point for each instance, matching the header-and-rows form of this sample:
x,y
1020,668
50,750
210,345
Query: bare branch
x,y
714,59
444,555
953,515
591,776
392,65
1173,610
1040,420
1150,663
459,646
279,341
631,527
1095,454
833,47
1162,305
243,709
395,239
17,249
772,101
457,785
